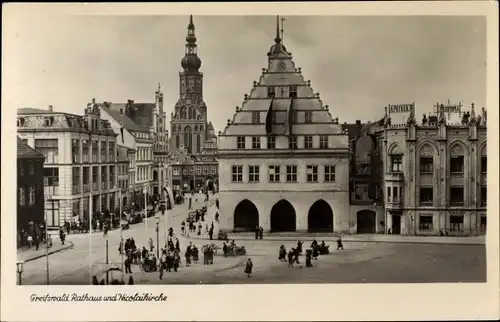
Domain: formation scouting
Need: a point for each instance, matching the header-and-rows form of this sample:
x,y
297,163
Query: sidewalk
x,y
28,254
376,238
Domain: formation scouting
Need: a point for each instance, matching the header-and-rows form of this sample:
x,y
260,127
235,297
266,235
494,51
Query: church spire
x,y
191,61
278,38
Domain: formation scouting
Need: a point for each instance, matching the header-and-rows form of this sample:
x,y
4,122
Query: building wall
x,y
29,175
438,143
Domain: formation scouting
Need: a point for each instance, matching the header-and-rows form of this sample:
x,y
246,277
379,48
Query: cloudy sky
x,y
359,64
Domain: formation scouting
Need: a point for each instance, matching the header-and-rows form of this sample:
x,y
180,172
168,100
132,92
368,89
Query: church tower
x,y
189,121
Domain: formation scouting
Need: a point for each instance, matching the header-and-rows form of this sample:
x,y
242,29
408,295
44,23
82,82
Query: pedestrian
x,y
339,243
120,248
282,253
62,236
199,229
224,249
217,216
261,233
94,280
188,255
49,241
30,241
290,257
177,245
248,267
151,245
37,242
130,280
308,258
128,265
66,224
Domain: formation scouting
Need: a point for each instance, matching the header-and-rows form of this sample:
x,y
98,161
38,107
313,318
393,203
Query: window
x,y
274,173
323,142
270,92
457,164
111,177
213,170
22,196
205,170
274,117
425,222
388,194
31,168
426,165
198,170
308,142
295,116
255,117
396,163
271,142
293,91
95,171
75,176
484,196
191,171
361,192
308,117
255,142
312,173
292,142
20,169
457,195
49,148
176,172
456,223
291,173
103,151
483,224
241,142
31,195
484,164
111,155
95,148
51,177
426,195
237,173
253,173
103,177
395,194
329,173
75,150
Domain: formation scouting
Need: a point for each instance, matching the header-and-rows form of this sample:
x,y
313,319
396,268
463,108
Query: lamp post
x,y
47,239
145,209
90,234
107,260
157,237
20,271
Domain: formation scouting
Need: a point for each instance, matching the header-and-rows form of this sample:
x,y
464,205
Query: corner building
x,y
435,173
283,159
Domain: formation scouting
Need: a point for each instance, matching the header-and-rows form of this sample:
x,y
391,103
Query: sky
x,y
358,64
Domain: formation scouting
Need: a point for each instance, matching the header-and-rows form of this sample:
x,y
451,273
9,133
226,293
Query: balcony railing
x,y
103,185
456,203
51,190
76,189
86,187
394,203
94,186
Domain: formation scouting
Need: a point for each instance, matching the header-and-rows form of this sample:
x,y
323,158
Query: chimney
x,y
51,109
93,101
358,122
121,111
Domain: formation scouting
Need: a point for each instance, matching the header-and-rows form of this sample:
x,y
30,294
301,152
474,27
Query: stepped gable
x,y
281,74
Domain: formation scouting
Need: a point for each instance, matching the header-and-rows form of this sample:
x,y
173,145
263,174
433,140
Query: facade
x,y
30,199
80,161
191,132
283,159
139,142
435,172
123,165
160,147
365,188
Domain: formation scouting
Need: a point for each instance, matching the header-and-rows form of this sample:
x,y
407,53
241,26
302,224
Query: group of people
x,y
292,257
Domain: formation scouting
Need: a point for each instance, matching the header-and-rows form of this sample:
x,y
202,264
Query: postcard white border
x,y
261,302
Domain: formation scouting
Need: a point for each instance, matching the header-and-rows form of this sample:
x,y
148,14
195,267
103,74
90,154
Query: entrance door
x,y
246,216
396,224
283,217
320,217
366,222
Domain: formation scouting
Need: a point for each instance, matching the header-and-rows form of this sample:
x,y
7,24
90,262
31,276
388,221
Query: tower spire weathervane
x,y
277,39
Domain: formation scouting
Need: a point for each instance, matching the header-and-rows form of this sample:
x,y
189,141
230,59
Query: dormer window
x,y
308,117
271,92
293,91
47,121
20,121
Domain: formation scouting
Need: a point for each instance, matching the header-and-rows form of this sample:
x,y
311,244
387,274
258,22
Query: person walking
x,y
30,241
249,267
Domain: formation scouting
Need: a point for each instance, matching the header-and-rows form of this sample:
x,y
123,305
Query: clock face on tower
x,y
281,65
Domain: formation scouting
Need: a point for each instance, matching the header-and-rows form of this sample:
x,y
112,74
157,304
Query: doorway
x,y
396,224
320,217
367,222
283,217
246,216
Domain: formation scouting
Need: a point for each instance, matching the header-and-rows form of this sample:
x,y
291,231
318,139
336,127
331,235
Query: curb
x,y
307,238
70,245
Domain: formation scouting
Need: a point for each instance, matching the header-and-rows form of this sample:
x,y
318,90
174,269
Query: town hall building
x,y
283,158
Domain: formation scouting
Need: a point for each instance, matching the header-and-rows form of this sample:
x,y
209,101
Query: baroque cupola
x,y
191,62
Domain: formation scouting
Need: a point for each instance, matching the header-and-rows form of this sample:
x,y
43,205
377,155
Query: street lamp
x,y
144,190
157,237
121,233
20,271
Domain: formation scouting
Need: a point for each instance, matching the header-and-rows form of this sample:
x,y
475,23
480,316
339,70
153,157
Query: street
x,y
359,262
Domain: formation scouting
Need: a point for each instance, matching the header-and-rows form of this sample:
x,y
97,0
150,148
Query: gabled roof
x,y
24,151
140,113
31,110
124,121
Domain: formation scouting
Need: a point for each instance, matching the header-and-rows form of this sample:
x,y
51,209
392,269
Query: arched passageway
x,y
366,222
320,217
246,216
283,217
